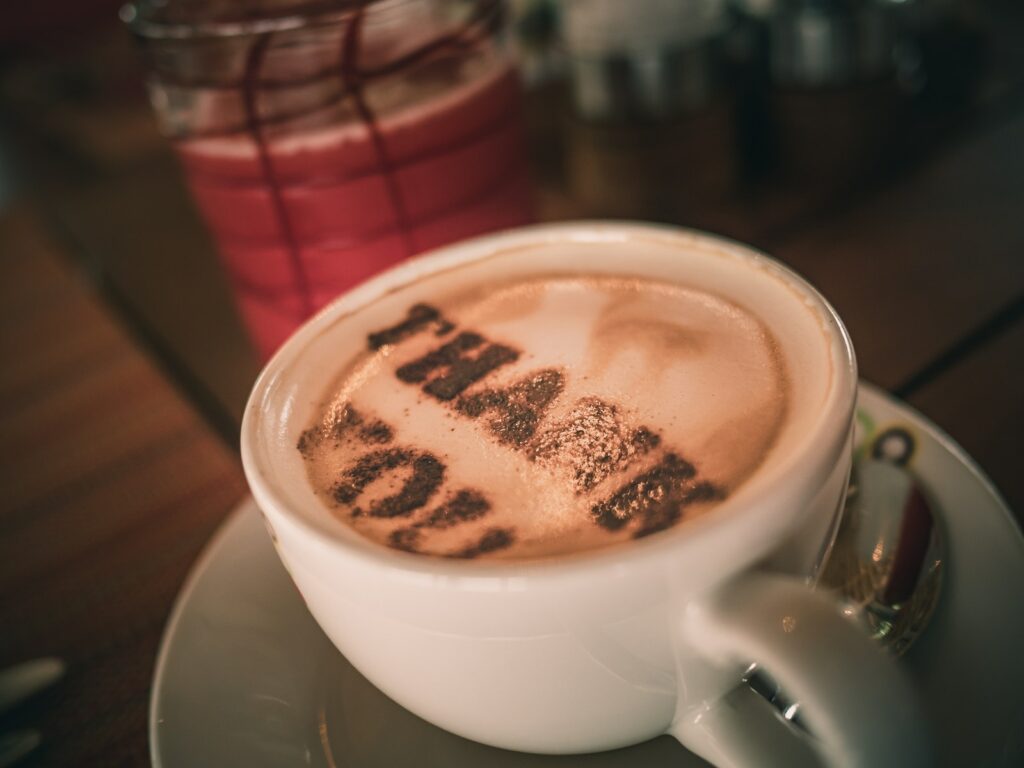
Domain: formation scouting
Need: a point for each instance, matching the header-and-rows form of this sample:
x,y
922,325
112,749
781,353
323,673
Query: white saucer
x,y
245,677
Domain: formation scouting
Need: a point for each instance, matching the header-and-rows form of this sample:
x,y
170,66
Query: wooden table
x,y
111,485
119,410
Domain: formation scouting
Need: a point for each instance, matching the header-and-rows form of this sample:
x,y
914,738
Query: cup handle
x,y
856,701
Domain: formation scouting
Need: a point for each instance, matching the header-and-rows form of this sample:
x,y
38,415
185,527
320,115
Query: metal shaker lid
x,y
831,42
644,58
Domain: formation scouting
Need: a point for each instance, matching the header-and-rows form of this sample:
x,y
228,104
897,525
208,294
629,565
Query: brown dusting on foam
x,y
405,539
465,506
577,426
376,432
333,427
656,497
417,318
340,424
492,540
666,513
743,441
418,370
520,407
308,440
460,368
593,441
426,478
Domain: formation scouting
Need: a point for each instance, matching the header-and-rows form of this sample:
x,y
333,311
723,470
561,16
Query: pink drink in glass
x,y
419,143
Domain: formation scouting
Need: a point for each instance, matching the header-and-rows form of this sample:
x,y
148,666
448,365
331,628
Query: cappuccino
x,y
546,415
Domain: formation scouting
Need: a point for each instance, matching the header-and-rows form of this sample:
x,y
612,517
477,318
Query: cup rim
x,y
819,450
134,15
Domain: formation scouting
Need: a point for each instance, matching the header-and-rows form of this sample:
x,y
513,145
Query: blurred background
x,y
871,144
876,146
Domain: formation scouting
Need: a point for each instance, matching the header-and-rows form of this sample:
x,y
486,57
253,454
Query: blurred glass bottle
x,y
848,79
653,128
836,101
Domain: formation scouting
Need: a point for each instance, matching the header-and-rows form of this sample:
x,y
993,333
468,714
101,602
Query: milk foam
x,y
623,407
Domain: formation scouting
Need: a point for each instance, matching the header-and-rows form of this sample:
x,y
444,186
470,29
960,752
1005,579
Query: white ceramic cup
x,y
607,647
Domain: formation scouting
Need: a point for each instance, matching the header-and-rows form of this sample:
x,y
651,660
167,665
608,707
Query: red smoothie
x,y
300,216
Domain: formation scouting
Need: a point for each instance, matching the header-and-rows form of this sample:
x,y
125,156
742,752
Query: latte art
x,y
547,416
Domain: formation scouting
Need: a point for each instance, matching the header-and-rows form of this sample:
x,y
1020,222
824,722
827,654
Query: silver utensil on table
x,y
18,684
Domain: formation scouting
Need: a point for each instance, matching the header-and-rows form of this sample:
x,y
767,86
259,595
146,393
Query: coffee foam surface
x,y
630,405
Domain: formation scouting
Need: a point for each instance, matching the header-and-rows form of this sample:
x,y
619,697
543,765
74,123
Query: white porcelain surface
x,y
246,677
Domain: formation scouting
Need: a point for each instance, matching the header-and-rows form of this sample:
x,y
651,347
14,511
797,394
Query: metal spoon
x,y
18,684
888,554
887,561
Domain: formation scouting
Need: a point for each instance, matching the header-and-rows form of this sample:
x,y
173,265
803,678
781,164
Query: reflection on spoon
x,y
886,561
888,554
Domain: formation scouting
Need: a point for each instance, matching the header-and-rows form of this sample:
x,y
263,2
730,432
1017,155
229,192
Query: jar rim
x,y
143,18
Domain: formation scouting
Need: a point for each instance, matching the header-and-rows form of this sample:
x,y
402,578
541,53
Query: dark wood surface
x,y
111,485
126,368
